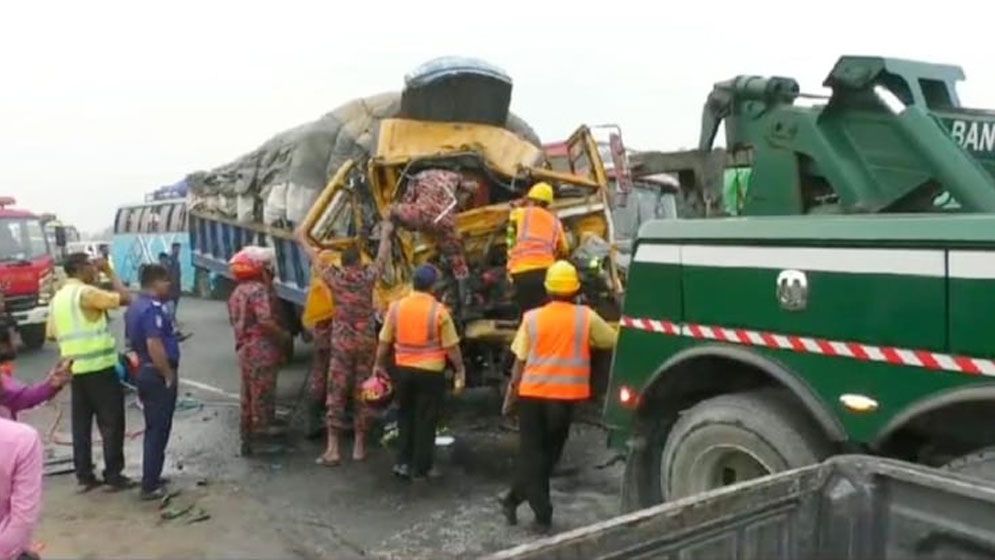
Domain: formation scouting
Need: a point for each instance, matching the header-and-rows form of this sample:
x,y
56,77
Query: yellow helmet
x,y
542,192
562,279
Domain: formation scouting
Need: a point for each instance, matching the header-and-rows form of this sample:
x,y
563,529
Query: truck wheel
x,y
732,438
33,336
980,464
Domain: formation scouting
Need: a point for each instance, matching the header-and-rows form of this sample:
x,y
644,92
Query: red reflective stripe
x,y
920,358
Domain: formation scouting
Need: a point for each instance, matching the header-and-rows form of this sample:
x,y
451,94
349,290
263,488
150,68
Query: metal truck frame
x,y
351,207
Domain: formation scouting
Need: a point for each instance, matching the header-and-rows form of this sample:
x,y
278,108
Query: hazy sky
x,y
102,101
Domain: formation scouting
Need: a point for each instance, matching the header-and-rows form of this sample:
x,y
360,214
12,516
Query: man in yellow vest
x,y
423,336
78,321
552,373
535,239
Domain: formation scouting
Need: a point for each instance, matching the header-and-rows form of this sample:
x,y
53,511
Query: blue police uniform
x,y
150,318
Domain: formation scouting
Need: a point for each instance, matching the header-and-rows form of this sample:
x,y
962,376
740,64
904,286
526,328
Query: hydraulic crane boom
x,y
892,137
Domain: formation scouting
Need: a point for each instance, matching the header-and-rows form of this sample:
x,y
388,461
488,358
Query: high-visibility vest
x,y
88,343
535,240
417,319
559,360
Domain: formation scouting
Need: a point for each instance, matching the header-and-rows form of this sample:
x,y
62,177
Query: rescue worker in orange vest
x,y
535,239
423,337
551,375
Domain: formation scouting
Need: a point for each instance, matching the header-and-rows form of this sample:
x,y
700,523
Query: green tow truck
x,y
850,307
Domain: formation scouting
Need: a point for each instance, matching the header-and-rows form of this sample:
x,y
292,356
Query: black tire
x,y
980,464
33,336
720,441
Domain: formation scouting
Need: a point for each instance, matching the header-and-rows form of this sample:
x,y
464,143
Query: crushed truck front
x,y
504,165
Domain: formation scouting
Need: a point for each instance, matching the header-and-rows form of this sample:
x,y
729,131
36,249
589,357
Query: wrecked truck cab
x,y
504,165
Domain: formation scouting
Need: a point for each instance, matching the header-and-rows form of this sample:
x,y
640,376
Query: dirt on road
x,y
285,506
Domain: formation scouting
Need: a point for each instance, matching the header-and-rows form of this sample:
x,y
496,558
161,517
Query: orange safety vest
x,y
559,361
417,319
535,241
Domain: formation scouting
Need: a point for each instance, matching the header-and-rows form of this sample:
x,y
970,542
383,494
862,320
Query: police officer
x,y
551,375
535,239
78,321
423,336
150,332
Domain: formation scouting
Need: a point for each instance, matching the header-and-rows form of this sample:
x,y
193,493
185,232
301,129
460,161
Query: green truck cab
x,y
756,345
848,308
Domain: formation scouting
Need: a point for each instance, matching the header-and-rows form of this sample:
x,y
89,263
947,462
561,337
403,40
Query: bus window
x,y
161,213
119,220
148,221
134,219
182,220
175,217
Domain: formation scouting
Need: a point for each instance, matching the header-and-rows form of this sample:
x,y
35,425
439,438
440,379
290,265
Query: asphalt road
x,y
356,510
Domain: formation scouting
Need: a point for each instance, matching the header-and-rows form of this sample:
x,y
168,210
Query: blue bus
x,y
142,231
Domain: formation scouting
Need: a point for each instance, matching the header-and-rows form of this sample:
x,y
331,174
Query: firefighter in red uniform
x,y
552,373
260,342
352,341
429,206
321,335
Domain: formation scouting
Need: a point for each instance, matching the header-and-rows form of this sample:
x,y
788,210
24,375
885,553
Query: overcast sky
x,y
103,101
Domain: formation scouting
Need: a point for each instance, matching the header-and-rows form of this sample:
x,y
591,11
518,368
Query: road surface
x,y
285,506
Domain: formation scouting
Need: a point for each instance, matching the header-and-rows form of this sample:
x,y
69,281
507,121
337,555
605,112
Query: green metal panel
x,y
654,292
972,317
881,231
902,311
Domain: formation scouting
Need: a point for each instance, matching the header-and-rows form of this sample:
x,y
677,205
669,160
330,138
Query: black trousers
x,y
158,405
530,289
98,394
543,427
419,395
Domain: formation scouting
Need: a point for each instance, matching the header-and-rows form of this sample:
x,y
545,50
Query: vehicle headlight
x,y
45,287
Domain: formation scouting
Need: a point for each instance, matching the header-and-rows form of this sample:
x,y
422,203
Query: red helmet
x,y
250,262
377,389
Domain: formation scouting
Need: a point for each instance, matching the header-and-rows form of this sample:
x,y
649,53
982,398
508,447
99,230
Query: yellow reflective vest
x,y
88,343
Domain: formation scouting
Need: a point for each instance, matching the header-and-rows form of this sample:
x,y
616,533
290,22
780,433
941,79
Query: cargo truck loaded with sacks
x,y
340,175
772,340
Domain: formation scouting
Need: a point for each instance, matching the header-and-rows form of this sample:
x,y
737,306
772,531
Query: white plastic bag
x,y
299,201
227,206
275,207
245,206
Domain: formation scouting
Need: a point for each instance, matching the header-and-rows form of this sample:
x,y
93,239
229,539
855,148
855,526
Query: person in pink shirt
x,y
20,488
16,396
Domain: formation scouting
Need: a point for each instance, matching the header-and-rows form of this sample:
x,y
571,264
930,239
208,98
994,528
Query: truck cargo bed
x,y
850,507
213,240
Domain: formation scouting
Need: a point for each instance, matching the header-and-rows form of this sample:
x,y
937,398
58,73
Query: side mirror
x,y
60,237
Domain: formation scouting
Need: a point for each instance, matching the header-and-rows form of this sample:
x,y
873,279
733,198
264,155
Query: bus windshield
x,y
21,239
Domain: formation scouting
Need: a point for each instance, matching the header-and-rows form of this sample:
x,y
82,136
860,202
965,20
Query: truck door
x,y
972,304
840,316
583,157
